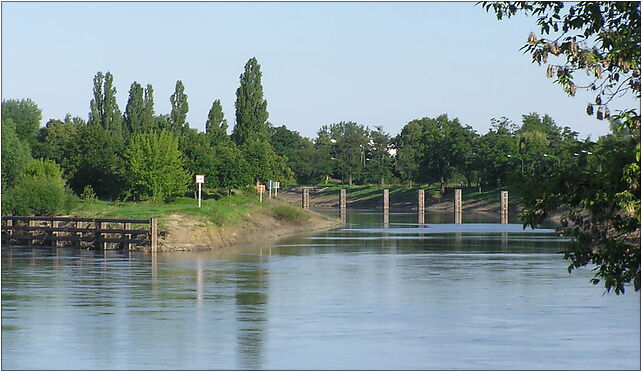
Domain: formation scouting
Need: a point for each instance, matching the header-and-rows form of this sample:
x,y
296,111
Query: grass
x,y
227,210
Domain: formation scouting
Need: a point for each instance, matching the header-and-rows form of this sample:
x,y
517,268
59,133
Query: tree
x,y
379,161
216,125
15,154
60,140
26,117
251,108
408,143
97,157
135,110
180,107
350,141
149,121
299,152
104,109
601,190
154,167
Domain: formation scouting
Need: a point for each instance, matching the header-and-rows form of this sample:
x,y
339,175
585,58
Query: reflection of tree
x,y
251,301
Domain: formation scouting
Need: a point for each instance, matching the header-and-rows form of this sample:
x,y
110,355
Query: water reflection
x,y
370,295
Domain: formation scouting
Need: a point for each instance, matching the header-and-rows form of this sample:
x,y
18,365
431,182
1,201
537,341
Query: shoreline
x,y
188,233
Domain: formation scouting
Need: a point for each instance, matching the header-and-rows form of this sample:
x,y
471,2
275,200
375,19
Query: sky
x,y
374,63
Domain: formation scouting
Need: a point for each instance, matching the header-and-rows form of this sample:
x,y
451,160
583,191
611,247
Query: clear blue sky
x,y
373,63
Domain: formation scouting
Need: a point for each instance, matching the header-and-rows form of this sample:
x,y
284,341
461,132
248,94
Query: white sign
x,y
200,178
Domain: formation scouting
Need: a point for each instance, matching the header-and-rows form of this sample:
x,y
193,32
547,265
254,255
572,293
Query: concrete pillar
x,y
342,199
305,198
153,234
458,206
386,219
386,199
504,207
421,200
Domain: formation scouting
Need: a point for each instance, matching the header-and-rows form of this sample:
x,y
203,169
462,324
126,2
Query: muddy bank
x,y
185,233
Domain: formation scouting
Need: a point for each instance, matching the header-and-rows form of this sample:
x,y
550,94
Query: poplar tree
x,y
251,108
216,124
149,121
134,111
104,109
178,115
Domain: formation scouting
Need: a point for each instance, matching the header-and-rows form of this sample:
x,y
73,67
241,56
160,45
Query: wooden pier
x,y
100,233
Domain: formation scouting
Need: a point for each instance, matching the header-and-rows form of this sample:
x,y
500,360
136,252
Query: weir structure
x,y
421,204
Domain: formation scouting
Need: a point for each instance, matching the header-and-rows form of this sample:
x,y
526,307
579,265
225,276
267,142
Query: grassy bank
x,y
228,210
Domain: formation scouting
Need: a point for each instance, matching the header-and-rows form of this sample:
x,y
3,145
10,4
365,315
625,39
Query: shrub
x,y
289,213
34,196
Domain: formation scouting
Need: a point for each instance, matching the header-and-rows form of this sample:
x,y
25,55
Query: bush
x,y
34,196
289,213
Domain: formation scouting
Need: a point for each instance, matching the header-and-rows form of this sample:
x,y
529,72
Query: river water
x,y
369,295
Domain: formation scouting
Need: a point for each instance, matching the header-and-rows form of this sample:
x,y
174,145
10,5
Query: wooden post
x,y
305,198
504,207
421,201
32,223
76,225
98,236
55,225
386,199
458,206
386,219
9,224
342,199
153,234
128,245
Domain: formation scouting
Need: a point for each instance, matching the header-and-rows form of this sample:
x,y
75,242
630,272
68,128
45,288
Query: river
x,y
369,295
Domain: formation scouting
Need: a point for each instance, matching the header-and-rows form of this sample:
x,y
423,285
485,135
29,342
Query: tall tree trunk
x,y
349,179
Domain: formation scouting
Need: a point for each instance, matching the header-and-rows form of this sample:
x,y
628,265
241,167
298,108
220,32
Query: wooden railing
x,y
102,233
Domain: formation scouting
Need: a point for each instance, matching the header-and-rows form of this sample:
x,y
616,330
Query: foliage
x,y
96,158
88,193
216,124
180,107
289,213
379,159
601,187
251,107
104,109
15,154
154,167
299,153
349,144
134,111
26,117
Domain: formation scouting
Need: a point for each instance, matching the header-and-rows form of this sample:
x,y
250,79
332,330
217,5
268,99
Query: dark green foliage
x,y
289,213
15,154
299,152
96,157
149,121
180,107
600,186
59,140
251,108
379,162
349,145
216,125
26,117
263,163
104,109
135,110
155,167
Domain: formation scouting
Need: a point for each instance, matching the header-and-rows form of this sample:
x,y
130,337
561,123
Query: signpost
x,y
277,185
261,190
200,179
270,187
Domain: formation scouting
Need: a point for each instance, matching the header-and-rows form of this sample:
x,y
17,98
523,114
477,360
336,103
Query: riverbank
x,y
229,221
